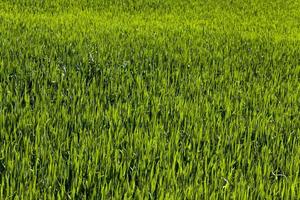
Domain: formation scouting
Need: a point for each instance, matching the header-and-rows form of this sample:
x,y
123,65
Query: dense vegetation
x,y
149,99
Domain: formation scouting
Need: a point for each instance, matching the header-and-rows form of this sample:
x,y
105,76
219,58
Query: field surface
x,y
136,99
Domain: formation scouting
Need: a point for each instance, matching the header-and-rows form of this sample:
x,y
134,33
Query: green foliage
x,y
149,99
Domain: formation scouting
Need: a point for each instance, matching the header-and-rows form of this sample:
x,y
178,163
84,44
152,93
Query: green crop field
x,y
149,99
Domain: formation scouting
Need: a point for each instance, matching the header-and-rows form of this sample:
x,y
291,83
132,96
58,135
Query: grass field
x,y
136,99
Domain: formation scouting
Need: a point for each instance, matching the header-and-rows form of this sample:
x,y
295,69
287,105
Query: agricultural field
x,y
149,99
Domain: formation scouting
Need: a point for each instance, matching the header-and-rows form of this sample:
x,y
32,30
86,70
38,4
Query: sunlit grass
x,y
183,100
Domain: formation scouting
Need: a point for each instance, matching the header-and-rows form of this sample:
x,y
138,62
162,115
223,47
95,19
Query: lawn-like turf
x,y
136,99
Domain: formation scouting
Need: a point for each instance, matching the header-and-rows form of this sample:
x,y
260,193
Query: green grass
x,y
149,99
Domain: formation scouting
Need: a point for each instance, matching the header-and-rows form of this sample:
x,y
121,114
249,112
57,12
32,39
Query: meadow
x,y
149,99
